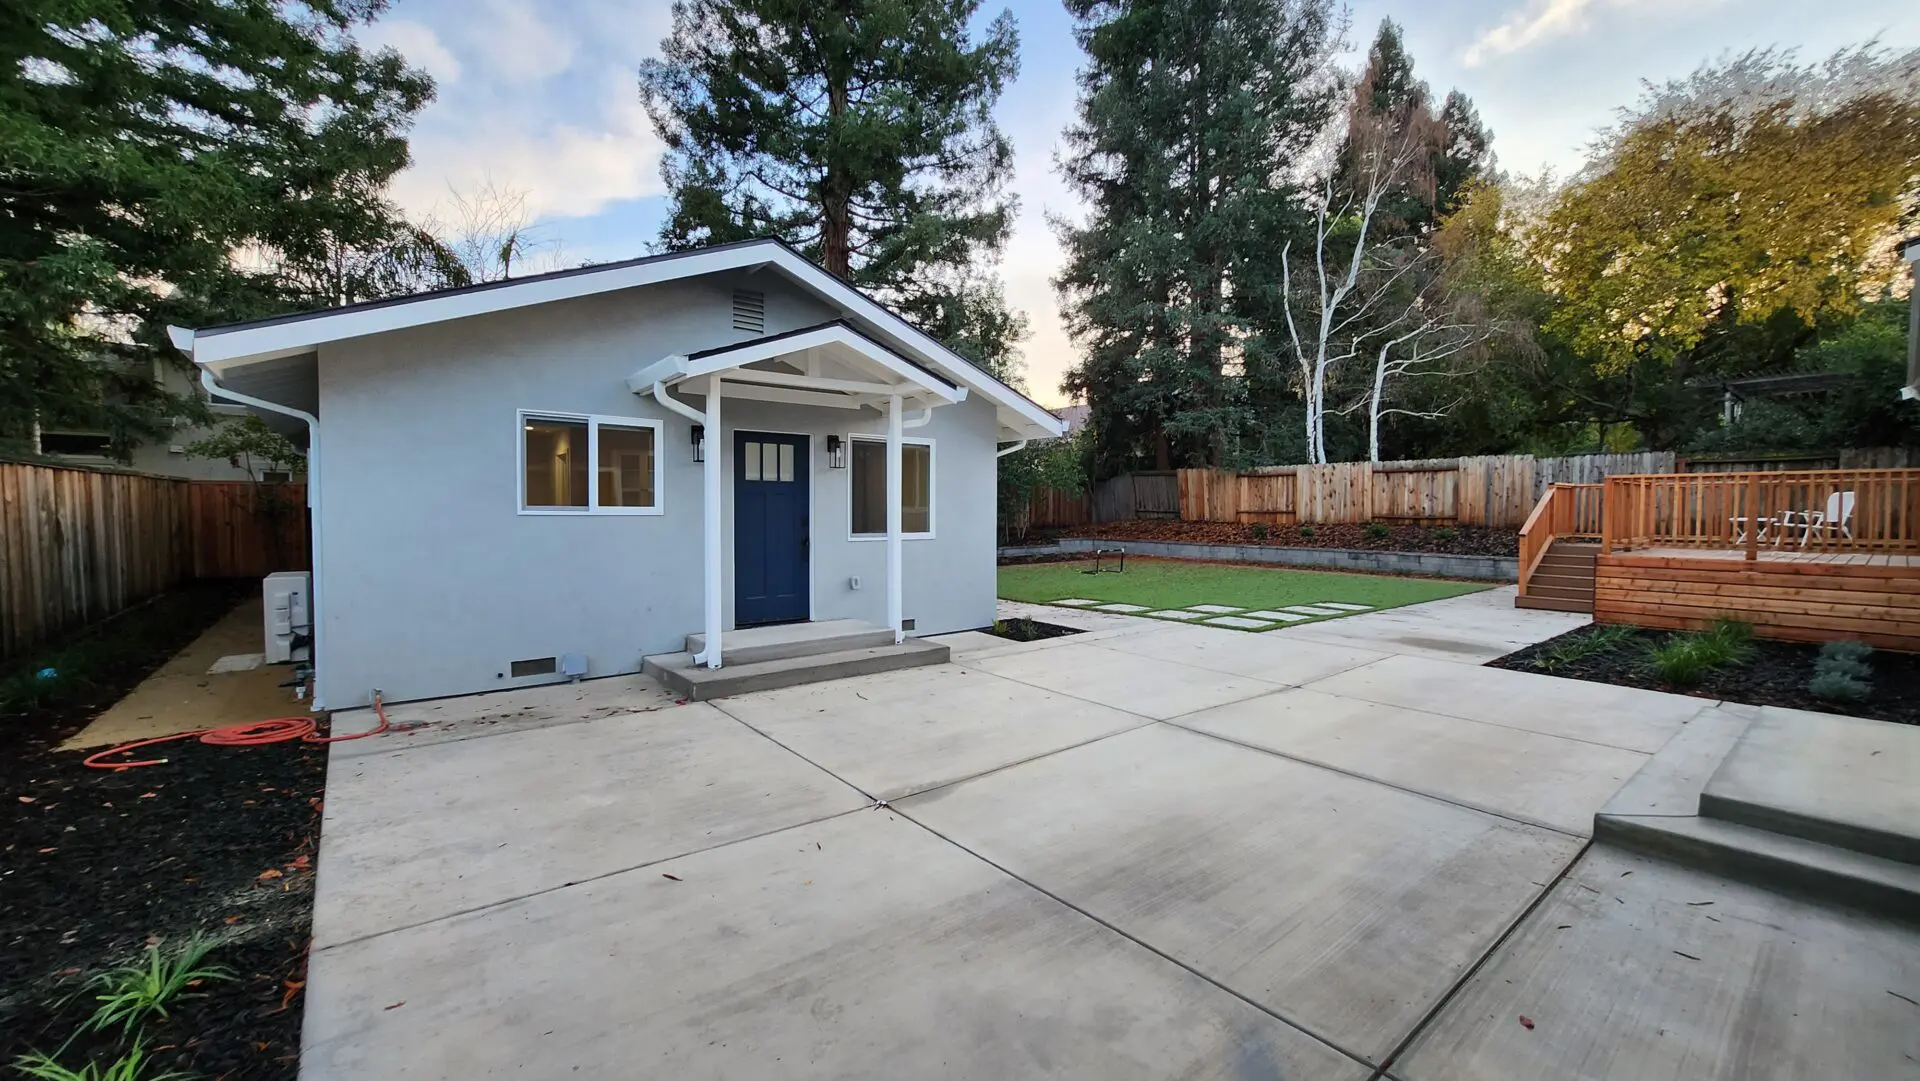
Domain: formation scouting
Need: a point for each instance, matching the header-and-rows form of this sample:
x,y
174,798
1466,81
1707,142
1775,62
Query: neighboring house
x,y
601,461
166,457
1075,417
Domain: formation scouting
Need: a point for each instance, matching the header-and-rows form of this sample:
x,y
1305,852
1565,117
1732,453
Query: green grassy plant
x,y
1687,658
131,1067
1599,639
131,994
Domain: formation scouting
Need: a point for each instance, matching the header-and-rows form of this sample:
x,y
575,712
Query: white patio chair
x,y
1837,518
1763,523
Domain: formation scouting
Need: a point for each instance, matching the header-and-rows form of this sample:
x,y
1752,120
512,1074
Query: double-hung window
x,y
867,477
577,463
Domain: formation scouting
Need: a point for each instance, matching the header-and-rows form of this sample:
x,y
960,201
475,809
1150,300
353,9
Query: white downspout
x,y
1015,449
894,421
317,649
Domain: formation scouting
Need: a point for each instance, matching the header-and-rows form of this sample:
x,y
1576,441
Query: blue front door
x,y
770,477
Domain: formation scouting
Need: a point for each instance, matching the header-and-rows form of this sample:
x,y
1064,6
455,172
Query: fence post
x,y
1753,518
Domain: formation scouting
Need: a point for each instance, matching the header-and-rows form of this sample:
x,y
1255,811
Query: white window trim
x,y
593,421
933,495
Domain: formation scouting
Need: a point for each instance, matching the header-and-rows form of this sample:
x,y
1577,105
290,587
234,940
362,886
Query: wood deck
x,y
1786,593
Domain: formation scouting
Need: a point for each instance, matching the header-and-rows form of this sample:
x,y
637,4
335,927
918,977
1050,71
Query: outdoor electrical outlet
x,y
853,582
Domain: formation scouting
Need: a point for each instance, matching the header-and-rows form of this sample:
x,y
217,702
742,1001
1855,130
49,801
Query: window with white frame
x,y
574,463
867,478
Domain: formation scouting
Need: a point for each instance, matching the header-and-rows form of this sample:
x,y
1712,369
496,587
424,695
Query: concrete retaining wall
x,y
1478,568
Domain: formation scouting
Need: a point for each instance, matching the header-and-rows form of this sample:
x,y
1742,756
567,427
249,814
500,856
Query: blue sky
x,y
539,96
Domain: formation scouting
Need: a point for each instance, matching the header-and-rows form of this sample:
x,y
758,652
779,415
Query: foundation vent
x,y
534,666
749,311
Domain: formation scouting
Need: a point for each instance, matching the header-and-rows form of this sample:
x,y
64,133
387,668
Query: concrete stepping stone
x,y
1076,602
1176,613
1277,617
1345,607
1213,609
1240,623
1128,609
1313,610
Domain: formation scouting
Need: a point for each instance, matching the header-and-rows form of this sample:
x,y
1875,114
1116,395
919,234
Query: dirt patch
x,y
1440,540
96,864
1776,674
1029,630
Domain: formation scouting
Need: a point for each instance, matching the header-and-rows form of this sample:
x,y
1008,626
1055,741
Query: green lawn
x,y
1172,584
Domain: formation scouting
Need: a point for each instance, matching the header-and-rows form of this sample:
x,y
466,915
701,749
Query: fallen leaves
x,y
675,878
395,1006
1526,1022
28,799
271,872
1688,956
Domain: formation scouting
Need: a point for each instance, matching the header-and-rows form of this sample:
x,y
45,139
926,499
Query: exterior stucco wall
x,y
432,582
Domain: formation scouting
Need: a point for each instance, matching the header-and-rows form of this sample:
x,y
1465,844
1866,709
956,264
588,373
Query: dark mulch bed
x,y
1028,630
1776,675
1441,540
94,864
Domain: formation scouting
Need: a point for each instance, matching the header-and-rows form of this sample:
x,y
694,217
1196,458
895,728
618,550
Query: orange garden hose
x,y
251,734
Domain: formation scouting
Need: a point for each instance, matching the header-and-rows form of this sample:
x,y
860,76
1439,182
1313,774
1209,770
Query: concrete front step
x,y
696,683
1887,887
755,644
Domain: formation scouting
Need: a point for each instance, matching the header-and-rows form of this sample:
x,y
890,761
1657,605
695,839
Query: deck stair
x,y
789,655
1563,581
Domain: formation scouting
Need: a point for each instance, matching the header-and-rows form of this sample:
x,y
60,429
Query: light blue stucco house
x,y
599,462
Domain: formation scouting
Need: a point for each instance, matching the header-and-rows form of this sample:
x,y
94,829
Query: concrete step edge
x,y
1772,860
810,647
677,672
1866,840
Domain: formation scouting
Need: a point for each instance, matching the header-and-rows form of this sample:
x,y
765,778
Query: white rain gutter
x,y
1015,449
712,572
315,650
918,420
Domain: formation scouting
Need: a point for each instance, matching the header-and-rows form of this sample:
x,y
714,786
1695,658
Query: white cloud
x,y
567,170
1539,19
419,44
514,43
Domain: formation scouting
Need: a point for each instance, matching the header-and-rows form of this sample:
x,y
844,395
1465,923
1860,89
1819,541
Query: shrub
x,y
1378,530
1839,686
1446,533
1841,672
1685,659
1306,531
1598,639
1258,531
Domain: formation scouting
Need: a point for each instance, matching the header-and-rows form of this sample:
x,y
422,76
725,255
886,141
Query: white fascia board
x,y
222,350
853,341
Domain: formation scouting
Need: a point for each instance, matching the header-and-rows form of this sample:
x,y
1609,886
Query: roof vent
x,y
749,311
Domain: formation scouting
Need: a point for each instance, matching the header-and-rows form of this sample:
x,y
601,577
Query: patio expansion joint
x,y
1197,974
641,866
1504,817
1446,997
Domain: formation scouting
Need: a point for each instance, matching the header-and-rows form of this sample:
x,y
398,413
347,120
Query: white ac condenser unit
x,y
289,615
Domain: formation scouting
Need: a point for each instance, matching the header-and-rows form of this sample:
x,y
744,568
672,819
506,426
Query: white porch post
x,y
714,571
893,518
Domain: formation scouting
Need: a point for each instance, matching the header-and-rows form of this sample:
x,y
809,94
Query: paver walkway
x,y
1154,849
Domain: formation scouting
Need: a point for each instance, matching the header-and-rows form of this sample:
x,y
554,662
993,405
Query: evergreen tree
x,y
861,131
143,147
1192,115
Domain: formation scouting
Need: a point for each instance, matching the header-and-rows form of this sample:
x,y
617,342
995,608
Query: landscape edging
x,y
1477,568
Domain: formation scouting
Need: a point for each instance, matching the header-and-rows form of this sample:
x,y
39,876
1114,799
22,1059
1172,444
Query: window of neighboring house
x,y
275,476
76,444
867,476
577,463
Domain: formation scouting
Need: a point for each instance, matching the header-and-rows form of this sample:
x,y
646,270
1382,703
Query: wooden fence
x,y
78,545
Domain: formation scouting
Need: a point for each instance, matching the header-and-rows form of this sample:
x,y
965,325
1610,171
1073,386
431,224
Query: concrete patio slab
x,y
1345,607
965,642
1472,628
1345,906
1670,783
857,947
1845,781
1279,617
1315,610
1273,658
1240,623
909,731
1623,717
419,833
1176,613
1213,609
1640,970
1125,609
1544,780
443,720
1142,685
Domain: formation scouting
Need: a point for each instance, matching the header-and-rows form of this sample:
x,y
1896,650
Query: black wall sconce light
x,y
836,452
699,442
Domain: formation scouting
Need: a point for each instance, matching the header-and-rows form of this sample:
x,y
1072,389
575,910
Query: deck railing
x,y
1565,511
1826,510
